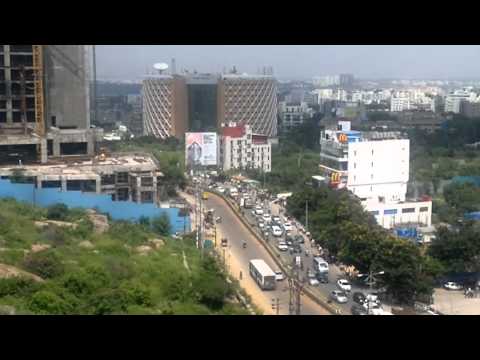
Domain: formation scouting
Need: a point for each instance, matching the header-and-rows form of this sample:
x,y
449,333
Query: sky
x,y
130,62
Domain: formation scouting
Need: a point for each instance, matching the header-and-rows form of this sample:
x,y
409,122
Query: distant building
x,y
293,114
470,109
240,148
399,104
453,100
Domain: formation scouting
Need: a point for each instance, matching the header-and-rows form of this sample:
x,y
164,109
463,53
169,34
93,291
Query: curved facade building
x,y
164,110
251,100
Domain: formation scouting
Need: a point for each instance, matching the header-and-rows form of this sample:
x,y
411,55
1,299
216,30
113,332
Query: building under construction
x,y
45,127
45,103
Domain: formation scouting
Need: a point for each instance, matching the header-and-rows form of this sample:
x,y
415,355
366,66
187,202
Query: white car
x,y
258,210
221,190
267,217
277,231
344,285
339,296
451,285
282,246
313,282
261,225
372,298
288,226
276,219
279,276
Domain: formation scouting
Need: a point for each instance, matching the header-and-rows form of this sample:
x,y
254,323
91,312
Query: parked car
x,y
261,225
344,285
288,226
258,210
299,239
279,276
282,246
276,219
359,297
339,296
311,274
451,285
267,218
313,282
358,310
221,190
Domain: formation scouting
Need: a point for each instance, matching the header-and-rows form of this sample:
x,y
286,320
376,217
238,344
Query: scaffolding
x,y
38,88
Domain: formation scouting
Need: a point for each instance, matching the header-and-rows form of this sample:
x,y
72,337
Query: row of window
x,y
395,211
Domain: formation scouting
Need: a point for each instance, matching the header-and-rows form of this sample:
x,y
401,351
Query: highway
x,y
237,258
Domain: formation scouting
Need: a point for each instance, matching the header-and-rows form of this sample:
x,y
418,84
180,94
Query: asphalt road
x,y
237,258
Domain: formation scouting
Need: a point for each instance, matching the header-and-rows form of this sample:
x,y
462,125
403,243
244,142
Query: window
x,y
390,212
354,165
408,210
424,209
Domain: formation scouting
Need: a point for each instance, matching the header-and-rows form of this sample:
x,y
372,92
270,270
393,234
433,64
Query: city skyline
x,y
376,62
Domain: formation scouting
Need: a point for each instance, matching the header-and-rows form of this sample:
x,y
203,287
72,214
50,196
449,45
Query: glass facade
x,y
202,107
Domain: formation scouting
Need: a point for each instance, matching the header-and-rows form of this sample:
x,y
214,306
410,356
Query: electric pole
x,y
306,215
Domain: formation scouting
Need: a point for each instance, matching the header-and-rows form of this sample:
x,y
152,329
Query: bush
x,y
17,286
45,264
57,212
161,225
46,302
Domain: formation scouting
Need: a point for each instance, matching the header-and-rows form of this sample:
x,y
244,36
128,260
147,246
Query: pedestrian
x,y
241,275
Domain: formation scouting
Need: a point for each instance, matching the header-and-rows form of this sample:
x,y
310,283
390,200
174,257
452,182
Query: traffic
x,y
296,249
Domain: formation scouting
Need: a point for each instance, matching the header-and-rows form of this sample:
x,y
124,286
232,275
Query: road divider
x,y
276,257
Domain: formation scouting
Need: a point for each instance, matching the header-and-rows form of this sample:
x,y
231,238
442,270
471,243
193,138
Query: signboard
x,y
200,149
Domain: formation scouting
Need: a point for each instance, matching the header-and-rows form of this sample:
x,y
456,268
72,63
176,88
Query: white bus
x,y
262,274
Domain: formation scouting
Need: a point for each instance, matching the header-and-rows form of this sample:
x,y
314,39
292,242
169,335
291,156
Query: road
x,y
237,258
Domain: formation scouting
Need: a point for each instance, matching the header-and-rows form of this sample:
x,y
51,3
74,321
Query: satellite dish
x,y
160,67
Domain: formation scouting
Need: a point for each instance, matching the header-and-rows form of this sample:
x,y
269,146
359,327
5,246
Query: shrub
x,y
57,212
45,264
161,225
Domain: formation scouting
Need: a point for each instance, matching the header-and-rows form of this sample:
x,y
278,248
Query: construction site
x,y
45,126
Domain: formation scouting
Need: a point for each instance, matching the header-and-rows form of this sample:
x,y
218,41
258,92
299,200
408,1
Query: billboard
x,y
200,149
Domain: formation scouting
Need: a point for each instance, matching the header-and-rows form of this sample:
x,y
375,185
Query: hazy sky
x,y
296,61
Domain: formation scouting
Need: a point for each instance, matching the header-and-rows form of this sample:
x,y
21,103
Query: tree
x,y
161,225
48,303
462,197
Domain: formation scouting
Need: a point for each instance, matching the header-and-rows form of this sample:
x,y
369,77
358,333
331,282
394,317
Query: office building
x,y
454,99
174,105
241,148
250,100
374,166
399,103
470,109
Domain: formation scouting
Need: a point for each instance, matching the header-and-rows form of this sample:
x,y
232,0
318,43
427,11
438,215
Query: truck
x,y
263,275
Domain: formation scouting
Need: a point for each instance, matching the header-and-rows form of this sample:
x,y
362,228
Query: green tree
x,y
161,225
57,212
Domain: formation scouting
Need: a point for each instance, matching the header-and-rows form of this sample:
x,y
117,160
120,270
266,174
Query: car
x,y
322,277
289,241
344,285
267,217
311,274
279,276
359,297
288,226
282,246
339,296
451,285
266,233
261,225
276,219
373,297
297,249
358,310
308,235
299,239
221,190
277,231
370,306
313,282
258,210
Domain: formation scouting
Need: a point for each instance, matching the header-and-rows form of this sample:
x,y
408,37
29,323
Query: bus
x,y
320,265
262,274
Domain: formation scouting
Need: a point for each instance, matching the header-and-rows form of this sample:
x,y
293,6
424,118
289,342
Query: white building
x,y
399,103
374,166
239,148
293,114
454,99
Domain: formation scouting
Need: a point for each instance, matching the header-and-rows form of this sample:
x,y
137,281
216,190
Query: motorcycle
x,y
244,245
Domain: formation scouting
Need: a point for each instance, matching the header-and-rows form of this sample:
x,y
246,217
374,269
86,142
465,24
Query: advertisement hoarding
x,y
200,149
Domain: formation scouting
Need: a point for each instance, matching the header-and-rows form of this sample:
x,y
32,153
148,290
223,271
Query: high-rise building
x,y
249,100
453,101
293,114
45,102
175,105
164,106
